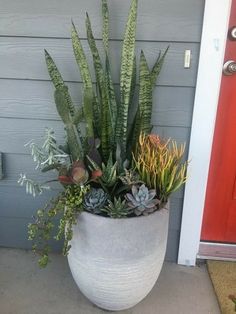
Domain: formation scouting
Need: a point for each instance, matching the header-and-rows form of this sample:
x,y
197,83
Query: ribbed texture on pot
x,y
116,262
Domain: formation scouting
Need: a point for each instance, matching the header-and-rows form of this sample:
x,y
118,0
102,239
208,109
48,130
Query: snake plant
x,y
106,117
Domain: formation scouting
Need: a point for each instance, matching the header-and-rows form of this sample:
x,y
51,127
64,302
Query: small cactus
x,y
95,200
142,200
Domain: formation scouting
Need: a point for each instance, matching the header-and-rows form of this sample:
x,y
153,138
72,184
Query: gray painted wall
x,y
26,94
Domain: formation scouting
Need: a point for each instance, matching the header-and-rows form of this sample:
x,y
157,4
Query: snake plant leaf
x,y
105,25
126,74
74,143
79,116
96,116
53,71
85,74
62,105
145,95
73,132
132,112
111,96
96,57
105,91
133,81
88,111
106,124
81,58
157,66
57,80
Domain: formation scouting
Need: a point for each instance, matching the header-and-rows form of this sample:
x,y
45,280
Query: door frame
x,y
213,42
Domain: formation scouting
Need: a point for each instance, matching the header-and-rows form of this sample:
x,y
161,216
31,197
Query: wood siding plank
x,y
23,58
14,133
158,19
34,100
13,233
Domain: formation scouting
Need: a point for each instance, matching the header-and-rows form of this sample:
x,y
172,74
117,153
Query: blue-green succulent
x,y
142,200
95,200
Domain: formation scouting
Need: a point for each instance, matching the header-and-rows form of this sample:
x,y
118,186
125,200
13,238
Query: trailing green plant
x,y
159,164
66,207
142,200
117,208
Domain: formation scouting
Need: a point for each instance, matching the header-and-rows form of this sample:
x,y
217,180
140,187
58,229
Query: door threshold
x,y
217,251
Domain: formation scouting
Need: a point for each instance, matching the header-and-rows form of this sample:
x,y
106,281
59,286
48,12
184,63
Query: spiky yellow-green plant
x,y
159,164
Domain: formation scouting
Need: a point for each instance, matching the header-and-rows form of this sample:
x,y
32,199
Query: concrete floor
x,y
26,289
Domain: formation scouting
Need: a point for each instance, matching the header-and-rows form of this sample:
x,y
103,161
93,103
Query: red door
x,y
219,220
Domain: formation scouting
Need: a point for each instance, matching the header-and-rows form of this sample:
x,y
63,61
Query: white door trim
x,y
215,26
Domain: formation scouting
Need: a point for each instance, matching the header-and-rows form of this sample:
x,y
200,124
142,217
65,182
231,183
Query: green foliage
x,y
105,25
66,207
145,96
126,77
117,208
48,154
110,121
142,200
159,164
95,200
31,186
73,133
108,177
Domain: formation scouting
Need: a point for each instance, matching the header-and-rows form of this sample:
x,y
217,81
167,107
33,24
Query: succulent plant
x,y
95,200
77,174
117,208
159,164
107,174
142,200
130,177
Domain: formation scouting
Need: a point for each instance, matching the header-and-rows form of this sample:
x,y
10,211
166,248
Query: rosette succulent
x,y
117,208
95,200
142,200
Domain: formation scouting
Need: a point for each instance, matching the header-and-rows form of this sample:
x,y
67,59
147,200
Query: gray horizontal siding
x,y
23,58
173,109
13,233
168,20
16,132
26,94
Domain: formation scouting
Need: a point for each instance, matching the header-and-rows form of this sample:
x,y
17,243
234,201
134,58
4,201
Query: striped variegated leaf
x,y
111,97
157,66
88,111
81,58
58,82
145,95
105,25
85,74
126,75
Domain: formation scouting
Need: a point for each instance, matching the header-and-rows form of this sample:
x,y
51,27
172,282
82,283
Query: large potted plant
x,y
116,176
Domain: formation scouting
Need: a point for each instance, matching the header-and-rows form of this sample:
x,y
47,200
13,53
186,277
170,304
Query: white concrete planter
x,y
116,262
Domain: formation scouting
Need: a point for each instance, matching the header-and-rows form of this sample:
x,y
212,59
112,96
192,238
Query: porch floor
x,y
26,289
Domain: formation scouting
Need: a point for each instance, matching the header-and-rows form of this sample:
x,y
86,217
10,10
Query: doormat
x,y
223,277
